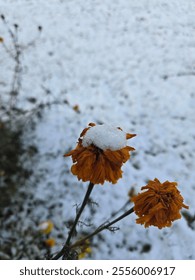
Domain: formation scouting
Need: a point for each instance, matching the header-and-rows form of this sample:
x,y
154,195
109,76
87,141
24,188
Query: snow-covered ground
x,y
126,63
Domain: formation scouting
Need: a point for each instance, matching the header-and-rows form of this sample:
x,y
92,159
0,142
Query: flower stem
x,y
84,203
103,227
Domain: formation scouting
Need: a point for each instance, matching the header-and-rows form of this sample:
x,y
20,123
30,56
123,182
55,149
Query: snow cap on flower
x,y
100,153
105,137
160,205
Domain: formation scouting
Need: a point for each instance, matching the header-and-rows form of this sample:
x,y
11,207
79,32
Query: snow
x,y
129,64
105,137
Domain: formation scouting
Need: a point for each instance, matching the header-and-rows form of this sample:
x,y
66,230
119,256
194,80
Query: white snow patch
x,y
105,137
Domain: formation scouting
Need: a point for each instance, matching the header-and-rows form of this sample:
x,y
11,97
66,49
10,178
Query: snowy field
x,y
126,63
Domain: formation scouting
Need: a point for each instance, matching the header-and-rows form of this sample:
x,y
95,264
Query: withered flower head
x,y
100,153
160,205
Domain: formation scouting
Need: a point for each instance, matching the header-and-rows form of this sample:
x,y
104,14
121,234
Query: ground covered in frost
x,y
130,64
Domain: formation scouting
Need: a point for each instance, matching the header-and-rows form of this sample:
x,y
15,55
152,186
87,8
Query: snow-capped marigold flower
x,y
160,205
46,227
100,154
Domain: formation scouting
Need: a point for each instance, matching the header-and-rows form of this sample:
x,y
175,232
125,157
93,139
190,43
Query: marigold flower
x,y
50,242
84,250
46,227
100,153
159,205
84,253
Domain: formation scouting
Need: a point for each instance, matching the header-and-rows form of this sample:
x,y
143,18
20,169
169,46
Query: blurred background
x,y
64,64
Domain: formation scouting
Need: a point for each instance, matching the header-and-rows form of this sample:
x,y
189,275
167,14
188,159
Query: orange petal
x,y
128,135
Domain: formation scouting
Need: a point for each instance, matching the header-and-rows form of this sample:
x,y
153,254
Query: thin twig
x,y
101,228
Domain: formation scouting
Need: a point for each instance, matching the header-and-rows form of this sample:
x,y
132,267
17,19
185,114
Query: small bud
x,y
1,40
2,17
40,28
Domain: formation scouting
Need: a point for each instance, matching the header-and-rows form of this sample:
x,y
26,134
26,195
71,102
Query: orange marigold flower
x,y
50,242
84,253
84,250
46,227
100,154
159,205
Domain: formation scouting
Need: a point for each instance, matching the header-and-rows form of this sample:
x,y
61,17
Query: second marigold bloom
x,y
159,205
100,154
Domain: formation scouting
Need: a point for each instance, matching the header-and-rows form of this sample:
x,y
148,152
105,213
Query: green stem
x,y
106,226
84,203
